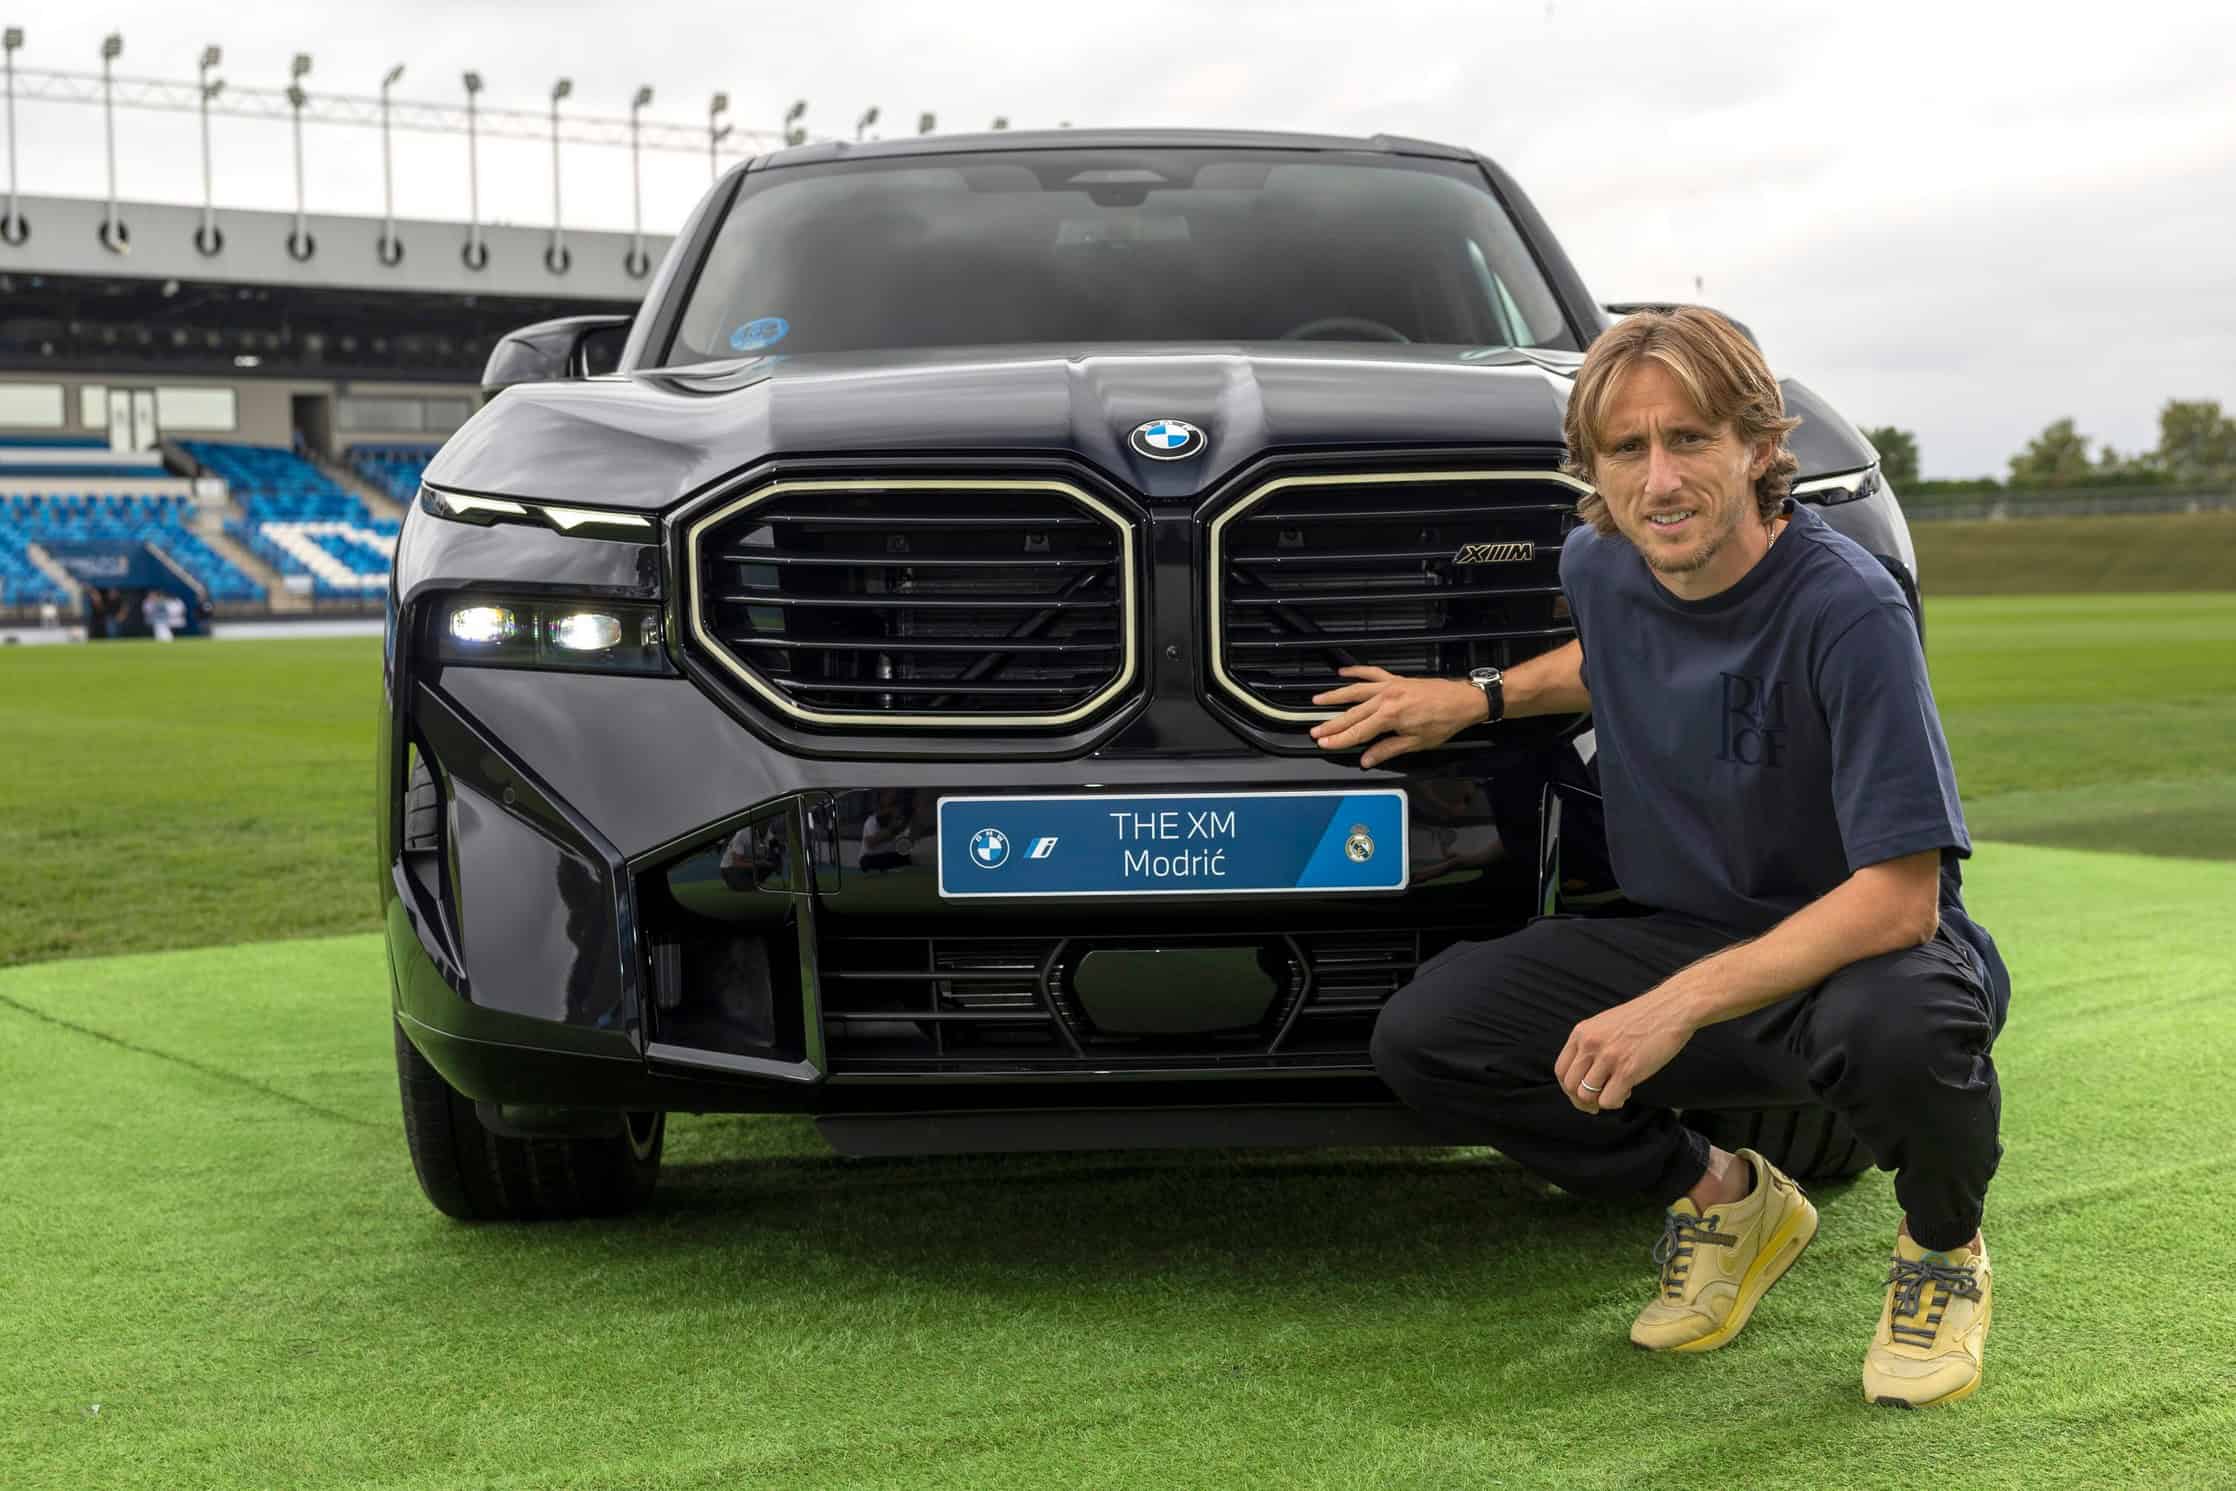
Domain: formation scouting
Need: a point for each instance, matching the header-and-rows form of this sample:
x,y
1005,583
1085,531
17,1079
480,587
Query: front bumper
x,y
633,901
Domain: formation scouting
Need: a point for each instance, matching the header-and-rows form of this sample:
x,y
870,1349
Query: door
x,y
141,419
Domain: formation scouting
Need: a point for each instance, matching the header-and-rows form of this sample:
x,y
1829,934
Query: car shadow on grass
x,y
756,1195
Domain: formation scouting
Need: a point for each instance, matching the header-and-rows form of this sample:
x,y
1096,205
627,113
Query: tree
x,y
2057,457
2195,440
1898,455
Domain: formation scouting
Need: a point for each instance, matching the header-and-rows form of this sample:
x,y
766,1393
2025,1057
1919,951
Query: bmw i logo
x,y
988,848
1167,440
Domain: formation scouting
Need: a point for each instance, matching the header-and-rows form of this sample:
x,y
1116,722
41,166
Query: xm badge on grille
x,y
1510,553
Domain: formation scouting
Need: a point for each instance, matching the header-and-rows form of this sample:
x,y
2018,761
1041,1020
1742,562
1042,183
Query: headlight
x,y
588,522
1830,491
580,634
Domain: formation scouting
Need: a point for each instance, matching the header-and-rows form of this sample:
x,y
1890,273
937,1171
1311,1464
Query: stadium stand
x,y
298,520
73,517
43,501
393,469
22,583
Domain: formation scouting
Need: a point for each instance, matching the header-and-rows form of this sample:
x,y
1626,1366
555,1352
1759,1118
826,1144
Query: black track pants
x,y
1896,1044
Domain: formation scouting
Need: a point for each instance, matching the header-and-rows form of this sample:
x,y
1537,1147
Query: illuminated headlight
x,y
1829,491
584,522
573,633
480,626
585,631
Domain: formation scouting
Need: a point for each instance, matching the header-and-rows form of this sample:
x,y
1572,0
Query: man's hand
x,y
1617,1049
1413,712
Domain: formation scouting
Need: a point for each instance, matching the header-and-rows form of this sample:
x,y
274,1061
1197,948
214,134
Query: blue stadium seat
x,y
287,501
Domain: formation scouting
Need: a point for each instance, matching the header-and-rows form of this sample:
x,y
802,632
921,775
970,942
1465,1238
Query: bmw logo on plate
x,y
1168,439
988,848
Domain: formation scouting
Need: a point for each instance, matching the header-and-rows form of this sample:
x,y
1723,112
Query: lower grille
x,y
1421,572
898,1005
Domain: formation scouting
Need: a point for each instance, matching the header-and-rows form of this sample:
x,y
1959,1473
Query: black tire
x,y
475,1174
1807,1143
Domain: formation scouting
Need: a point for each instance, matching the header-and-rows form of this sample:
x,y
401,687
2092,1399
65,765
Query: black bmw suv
x,y
874,681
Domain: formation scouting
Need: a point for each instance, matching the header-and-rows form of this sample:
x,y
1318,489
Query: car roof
x,y
995,141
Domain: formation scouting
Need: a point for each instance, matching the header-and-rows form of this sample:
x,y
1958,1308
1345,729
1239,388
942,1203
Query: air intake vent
x,y
902,1004
1420,572
914,603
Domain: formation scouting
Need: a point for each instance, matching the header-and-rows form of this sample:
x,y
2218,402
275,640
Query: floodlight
x,y
643,98
473,83
300,66
562,88
14,38
926,122
719,104
211,56
395,75
862,124
112,46
792,115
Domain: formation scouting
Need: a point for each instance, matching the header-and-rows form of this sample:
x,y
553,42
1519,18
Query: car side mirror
x,y
1622,308
570,347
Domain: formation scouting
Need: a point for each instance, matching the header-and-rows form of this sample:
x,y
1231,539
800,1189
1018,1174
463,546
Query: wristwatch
x,y
1493,684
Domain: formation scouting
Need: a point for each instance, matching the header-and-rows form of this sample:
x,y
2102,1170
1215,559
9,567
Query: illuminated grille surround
x,y
720,651
1215,562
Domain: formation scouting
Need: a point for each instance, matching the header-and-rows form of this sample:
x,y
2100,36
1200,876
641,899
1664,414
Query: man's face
x,y
1680,488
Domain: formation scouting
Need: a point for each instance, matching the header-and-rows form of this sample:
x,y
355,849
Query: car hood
x,y
647,440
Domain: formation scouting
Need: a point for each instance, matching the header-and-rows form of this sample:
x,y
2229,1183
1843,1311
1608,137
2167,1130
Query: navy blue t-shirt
x,y
1759,746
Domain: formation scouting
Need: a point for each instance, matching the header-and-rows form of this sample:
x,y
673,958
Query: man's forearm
x,y
1550,683
1877,910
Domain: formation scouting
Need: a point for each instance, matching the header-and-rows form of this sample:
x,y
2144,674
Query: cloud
x,y
1965,219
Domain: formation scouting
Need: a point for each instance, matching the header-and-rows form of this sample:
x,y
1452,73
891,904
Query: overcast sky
x,y
1965,219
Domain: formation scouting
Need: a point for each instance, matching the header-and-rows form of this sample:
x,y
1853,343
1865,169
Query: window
x,y
393,414
34,406
360,412
195,409
444,415
1083,246
93,407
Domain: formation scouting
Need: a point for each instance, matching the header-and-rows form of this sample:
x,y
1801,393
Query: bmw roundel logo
x,y
1167,439
988,848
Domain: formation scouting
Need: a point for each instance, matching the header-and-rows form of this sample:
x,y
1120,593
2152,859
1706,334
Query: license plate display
x,y
1220,843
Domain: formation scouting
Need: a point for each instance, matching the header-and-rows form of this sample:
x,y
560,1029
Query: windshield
x,y
1115,246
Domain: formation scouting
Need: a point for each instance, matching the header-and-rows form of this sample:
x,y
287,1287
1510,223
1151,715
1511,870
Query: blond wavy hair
x,y
1720,370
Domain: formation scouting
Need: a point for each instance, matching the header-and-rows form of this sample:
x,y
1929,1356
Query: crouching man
x,y
1779,795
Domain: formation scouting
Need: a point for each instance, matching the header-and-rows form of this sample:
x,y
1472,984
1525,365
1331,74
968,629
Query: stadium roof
x,y
67,239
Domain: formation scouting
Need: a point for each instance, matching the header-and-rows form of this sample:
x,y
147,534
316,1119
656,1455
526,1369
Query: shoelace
x,y
1674,1253
1910,1278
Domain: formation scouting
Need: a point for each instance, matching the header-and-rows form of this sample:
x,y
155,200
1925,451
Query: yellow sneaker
x,y
1932,1328
1716,1268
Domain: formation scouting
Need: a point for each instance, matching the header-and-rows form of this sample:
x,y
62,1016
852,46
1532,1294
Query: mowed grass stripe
x,y
216,1236
2062,556
184,795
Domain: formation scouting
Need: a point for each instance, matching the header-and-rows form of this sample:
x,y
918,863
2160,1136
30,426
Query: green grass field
x,y
2065,556
222,1273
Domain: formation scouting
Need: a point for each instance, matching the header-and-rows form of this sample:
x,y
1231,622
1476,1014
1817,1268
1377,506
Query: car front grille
x,y
1419,572
919,603
896,1005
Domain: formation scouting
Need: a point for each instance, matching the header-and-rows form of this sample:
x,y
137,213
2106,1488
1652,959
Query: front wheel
x,y
472,1172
